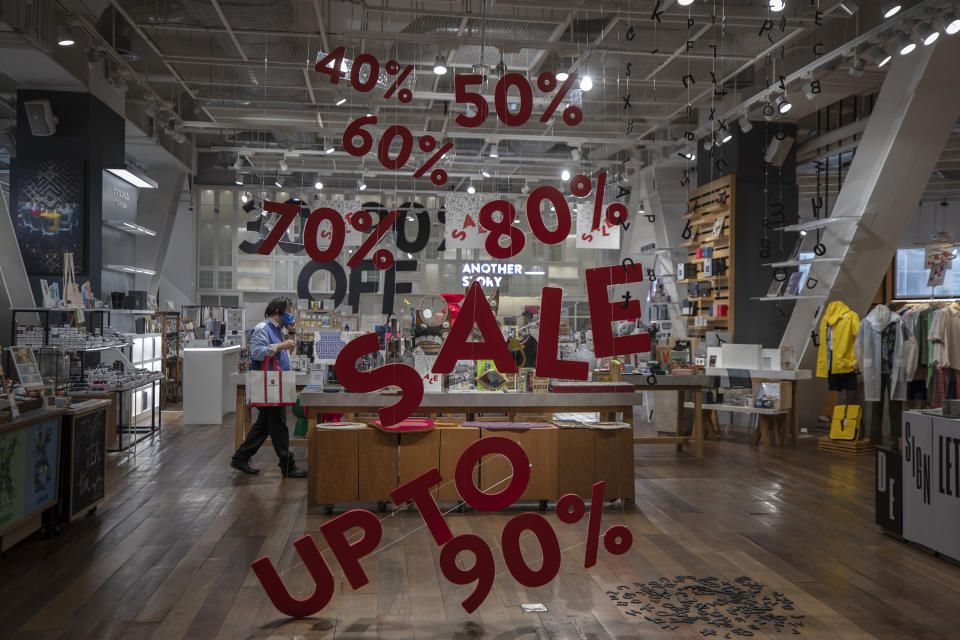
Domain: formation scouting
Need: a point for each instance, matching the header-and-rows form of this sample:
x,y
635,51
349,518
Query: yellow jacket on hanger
x,y
844,324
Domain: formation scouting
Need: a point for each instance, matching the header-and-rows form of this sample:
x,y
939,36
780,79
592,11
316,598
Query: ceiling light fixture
x,y
318,185
361,185
708,144
64,39
684,3
340,100
951,24
849,7
879,56
244,198
687,155
140,181
928,35
440,66
727,138
562,76
494,150
484,172
586,83
891,9
283,165
470,188
810,90
905,44
238,180
328,147
777,5
783,105
278,182
857,66
565,175
745,124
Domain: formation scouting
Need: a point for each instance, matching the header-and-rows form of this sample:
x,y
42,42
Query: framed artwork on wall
x,y
50,214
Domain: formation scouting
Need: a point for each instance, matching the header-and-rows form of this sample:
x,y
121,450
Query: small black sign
x,y
87,476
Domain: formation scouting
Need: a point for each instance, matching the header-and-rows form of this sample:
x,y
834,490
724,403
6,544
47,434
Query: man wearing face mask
x,y
268,341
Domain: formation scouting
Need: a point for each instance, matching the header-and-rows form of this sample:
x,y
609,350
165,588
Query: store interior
x,y
479,319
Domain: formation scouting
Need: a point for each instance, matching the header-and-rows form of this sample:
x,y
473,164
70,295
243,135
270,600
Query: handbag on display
x,y
71,292
846,422
271,387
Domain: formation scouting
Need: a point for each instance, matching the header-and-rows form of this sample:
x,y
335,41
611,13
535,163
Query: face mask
x,y
287,318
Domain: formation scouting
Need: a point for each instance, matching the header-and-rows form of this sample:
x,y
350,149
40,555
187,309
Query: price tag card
x,y
605,237
462,229
432,382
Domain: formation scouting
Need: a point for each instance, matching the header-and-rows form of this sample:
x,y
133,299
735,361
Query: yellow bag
x,y
846,422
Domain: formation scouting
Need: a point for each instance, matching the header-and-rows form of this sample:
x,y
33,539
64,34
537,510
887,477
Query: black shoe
x,y
244,466
294,472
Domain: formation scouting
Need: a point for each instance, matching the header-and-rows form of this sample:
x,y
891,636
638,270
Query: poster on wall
x,y
12,463
49,218
41,468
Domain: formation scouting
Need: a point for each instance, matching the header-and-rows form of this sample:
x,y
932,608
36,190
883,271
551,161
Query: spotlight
x,y
849,7
586,83
905,44
484,173
278,182
562,76
328,147
727,138
470,188
361,185
318,185
777,5
340,100
879,56
745,124
525,189
684,3
808,89
802,232
565,175
494,150
687,155
928,35
891,9
244,198
856,66
951,24
238,180
708,144
64,38
283,165
783,105
440,66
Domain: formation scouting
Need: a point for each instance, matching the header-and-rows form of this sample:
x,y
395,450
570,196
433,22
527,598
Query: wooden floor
x,y
168,555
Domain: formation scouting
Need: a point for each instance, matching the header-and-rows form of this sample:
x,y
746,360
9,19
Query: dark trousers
x,y
894,410
272,422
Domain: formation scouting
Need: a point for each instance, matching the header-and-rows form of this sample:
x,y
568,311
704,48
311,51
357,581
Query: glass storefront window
x,y
911,277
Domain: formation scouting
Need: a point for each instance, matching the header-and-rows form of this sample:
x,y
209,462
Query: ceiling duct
x,y
117,32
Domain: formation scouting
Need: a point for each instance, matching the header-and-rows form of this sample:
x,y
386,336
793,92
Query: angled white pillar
x,y
915,112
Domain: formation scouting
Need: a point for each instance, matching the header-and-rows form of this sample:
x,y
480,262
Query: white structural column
x,y
658,192
915,112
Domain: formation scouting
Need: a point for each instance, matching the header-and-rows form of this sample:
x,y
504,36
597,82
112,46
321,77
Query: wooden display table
x,y
564,460
364,465
30,452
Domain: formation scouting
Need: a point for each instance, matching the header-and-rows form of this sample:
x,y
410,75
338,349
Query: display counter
x,y
918,490
29,472
208,393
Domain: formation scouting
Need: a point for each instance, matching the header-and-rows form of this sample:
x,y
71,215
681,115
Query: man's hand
x,y
288,345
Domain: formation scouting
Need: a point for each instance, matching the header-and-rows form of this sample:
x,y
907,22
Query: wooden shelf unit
x,y
705,205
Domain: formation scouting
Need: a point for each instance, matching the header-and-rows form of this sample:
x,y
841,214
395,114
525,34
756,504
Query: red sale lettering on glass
x,y
475,310
570,508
